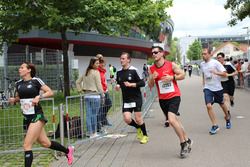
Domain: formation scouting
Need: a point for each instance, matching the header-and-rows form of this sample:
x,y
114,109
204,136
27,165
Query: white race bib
x,y
209,79
26,106
223,79
166,87
130,105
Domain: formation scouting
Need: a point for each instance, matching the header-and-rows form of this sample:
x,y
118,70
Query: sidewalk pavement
x,y
229,147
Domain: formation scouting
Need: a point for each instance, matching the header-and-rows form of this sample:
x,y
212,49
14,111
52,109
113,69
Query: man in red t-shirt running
x,y
164,74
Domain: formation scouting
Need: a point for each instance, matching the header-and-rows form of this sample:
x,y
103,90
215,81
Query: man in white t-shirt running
x,y
212,71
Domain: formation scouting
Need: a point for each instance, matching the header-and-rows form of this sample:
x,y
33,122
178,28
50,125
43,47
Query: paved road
x,y
227,148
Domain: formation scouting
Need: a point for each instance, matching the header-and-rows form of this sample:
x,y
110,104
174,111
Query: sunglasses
x,y
94,58
155,52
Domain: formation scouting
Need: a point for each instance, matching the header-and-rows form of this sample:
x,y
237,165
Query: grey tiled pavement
x,y
229,147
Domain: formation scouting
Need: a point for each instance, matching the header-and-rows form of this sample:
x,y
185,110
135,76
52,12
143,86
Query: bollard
x,y
61,123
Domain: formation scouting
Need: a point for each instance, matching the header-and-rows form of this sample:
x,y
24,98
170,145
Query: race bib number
x,y
166,87
26,106
209,79
223,79
130,105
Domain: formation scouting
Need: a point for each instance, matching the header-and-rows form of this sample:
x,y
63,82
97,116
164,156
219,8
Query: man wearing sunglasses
x,y
164,74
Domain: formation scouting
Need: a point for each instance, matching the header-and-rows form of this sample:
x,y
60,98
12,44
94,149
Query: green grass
x,y
11,122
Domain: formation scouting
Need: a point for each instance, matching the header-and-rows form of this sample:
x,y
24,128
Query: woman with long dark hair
x,y
91,83
28,89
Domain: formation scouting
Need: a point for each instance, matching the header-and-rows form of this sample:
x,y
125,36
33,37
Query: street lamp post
x,y
247,41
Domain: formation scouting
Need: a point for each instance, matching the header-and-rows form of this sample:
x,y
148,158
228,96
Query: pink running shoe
x,y
70,155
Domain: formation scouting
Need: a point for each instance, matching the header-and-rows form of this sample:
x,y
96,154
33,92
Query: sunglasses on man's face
x,y
155,52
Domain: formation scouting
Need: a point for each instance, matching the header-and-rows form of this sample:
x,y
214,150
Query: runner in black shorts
x,y
28,90
130,81
170,105
228,82
164,74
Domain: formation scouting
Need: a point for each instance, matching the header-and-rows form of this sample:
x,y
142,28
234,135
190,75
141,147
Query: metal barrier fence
x,y
49,65
77,118
12,130
246,81
237,79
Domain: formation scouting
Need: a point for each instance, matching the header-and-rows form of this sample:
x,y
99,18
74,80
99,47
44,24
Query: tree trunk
x,y
65,62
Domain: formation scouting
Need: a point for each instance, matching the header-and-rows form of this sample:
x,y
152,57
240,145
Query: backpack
x,y
114,69
75,126
57,134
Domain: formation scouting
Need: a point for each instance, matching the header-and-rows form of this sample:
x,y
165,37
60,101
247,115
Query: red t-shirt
x,y
165,90
103,78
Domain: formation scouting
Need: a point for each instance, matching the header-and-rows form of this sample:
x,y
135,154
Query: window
x,y
235,49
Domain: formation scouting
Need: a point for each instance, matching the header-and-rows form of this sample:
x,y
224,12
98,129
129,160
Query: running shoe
x,y
189,142
109,124
144,139
214,129
139,133
167,123
70,155
232,103
228,123
184,149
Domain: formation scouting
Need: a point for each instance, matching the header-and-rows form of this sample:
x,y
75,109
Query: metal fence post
x,y
5,49
120,98
82,115
58,70
113,89
31,57
27,53
43,51
61,123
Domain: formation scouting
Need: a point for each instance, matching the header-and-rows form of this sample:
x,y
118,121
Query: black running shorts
x,y
137,108
32,119
228,88
170,105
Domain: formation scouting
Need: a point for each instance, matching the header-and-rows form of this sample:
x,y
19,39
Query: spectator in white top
x,y
246,63
243,71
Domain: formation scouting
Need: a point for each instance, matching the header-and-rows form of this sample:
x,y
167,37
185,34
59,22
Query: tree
x,y
78,15
175,39
216,44
239,44
195,50
239,10
174,52
150,61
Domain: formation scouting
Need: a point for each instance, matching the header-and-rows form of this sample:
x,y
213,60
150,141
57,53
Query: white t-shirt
x,y
212,81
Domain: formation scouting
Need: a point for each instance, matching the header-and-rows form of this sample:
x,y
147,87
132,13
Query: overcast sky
x,y
203,17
